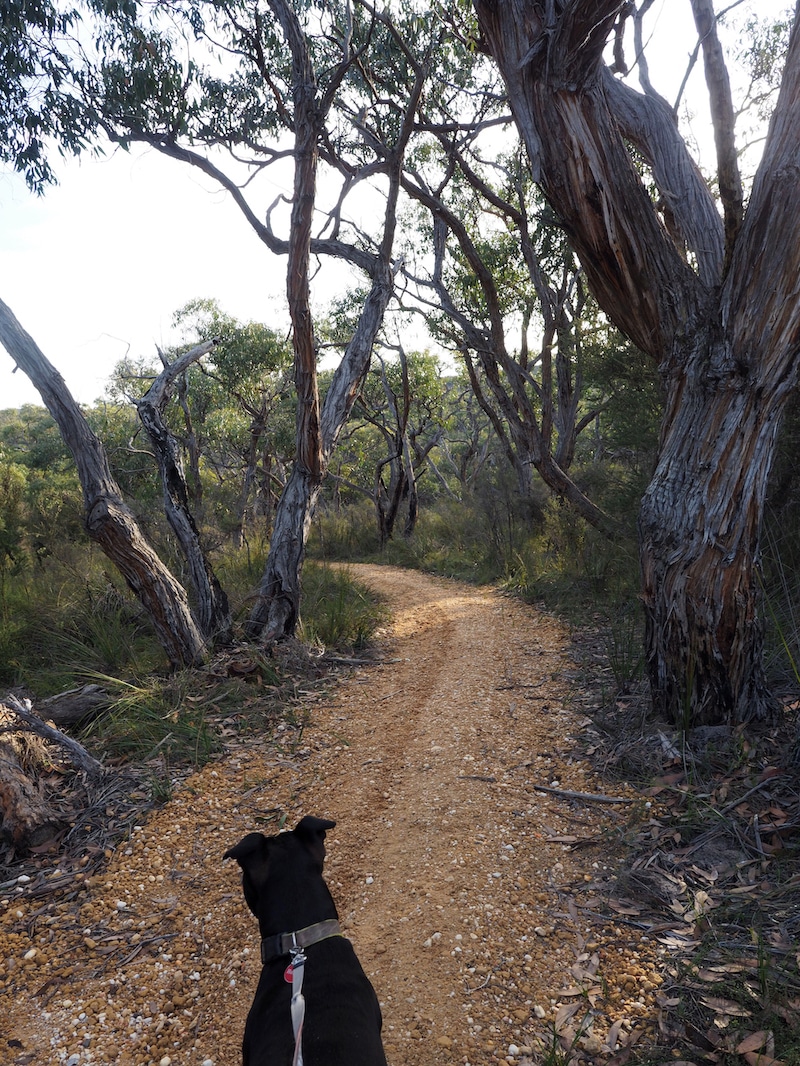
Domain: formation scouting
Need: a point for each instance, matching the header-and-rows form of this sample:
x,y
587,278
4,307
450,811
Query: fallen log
x,y
30,721
75,706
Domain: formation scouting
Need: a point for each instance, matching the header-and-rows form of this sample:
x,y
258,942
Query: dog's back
x,y
342,1023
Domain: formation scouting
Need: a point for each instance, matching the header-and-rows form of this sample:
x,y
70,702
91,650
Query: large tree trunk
x,y
699,530
725,332
278,604
277,607
108,520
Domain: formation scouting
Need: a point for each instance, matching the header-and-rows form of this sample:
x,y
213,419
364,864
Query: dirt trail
x,y
473,916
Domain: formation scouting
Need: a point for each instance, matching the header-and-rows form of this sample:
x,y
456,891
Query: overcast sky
x,y
96,267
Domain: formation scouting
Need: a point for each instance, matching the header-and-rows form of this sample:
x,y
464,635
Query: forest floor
x,y
481,866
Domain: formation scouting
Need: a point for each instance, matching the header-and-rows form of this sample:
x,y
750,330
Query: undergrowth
x,y
80,627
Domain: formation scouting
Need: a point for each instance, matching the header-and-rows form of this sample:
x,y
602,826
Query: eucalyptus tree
x,y
281,85
499,284
711,295
109,520
465,448
258,97
402,404
236,414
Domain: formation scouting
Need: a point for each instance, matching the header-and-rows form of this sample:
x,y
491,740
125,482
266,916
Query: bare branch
x,y
31,722
723,120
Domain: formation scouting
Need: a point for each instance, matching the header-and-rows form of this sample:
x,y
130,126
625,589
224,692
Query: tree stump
x,y
26,817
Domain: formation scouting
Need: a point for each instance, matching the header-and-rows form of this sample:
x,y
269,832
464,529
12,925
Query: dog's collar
x,y
272,947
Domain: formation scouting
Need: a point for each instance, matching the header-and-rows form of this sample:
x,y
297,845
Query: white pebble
x,y
513,1049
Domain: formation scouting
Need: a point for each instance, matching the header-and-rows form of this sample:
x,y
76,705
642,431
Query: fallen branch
x,y
591,797
756,788
32,723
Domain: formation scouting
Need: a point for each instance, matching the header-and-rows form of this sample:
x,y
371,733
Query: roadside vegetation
x,y
724,803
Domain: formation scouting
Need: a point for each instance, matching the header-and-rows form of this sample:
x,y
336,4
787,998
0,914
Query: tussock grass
x,y
156,718
336,610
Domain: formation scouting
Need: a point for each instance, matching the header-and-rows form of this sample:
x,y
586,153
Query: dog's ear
x,y
252,854
311,831
248,850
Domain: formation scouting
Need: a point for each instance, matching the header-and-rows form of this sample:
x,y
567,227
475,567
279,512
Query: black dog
x,y
311,979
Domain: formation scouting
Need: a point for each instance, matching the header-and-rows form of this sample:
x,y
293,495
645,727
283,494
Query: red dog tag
x,y
288,974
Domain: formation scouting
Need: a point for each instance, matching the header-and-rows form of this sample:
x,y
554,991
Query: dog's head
x,y
282,876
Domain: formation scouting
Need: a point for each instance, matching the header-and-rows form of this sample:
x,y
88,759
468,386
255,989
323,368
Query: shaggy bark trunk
x,y
278,604
212,604
726,334
699,530
108,520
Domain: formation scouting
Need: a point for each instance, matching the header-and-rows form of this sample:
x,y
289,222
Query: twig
x,y
592,797
343,660
750,791
478,987
757,835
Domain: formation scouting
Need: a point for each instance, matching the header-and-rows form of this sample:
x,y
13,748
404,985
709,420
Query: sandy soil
x,y
479,917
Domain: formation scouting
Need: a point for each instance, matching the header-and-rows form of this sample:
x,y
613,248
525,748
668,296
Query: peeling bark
x,y
213,612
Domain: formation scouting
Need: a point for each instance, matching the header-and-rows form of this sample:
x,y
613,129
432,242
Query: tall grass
x,y
66,624
336,610
781,598
154,718
64,620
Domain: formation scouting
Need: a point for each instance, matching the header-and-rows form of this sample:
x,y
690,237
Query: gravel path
x,y
481,921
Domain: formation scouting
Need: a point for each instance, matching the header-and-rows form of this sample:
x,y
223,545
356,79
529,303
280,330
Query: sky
x,y
95,268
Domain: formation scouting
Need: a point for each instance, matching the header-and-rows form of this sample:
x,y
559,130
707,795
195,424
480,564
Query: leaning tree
x,y
713,297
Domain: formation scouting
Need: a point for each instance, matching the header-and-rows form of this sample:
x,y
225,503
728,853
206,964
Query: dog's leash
x,y
298,965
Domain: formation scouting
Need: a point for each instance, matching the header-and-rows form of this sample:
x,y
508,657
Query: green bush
x,y
349,532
